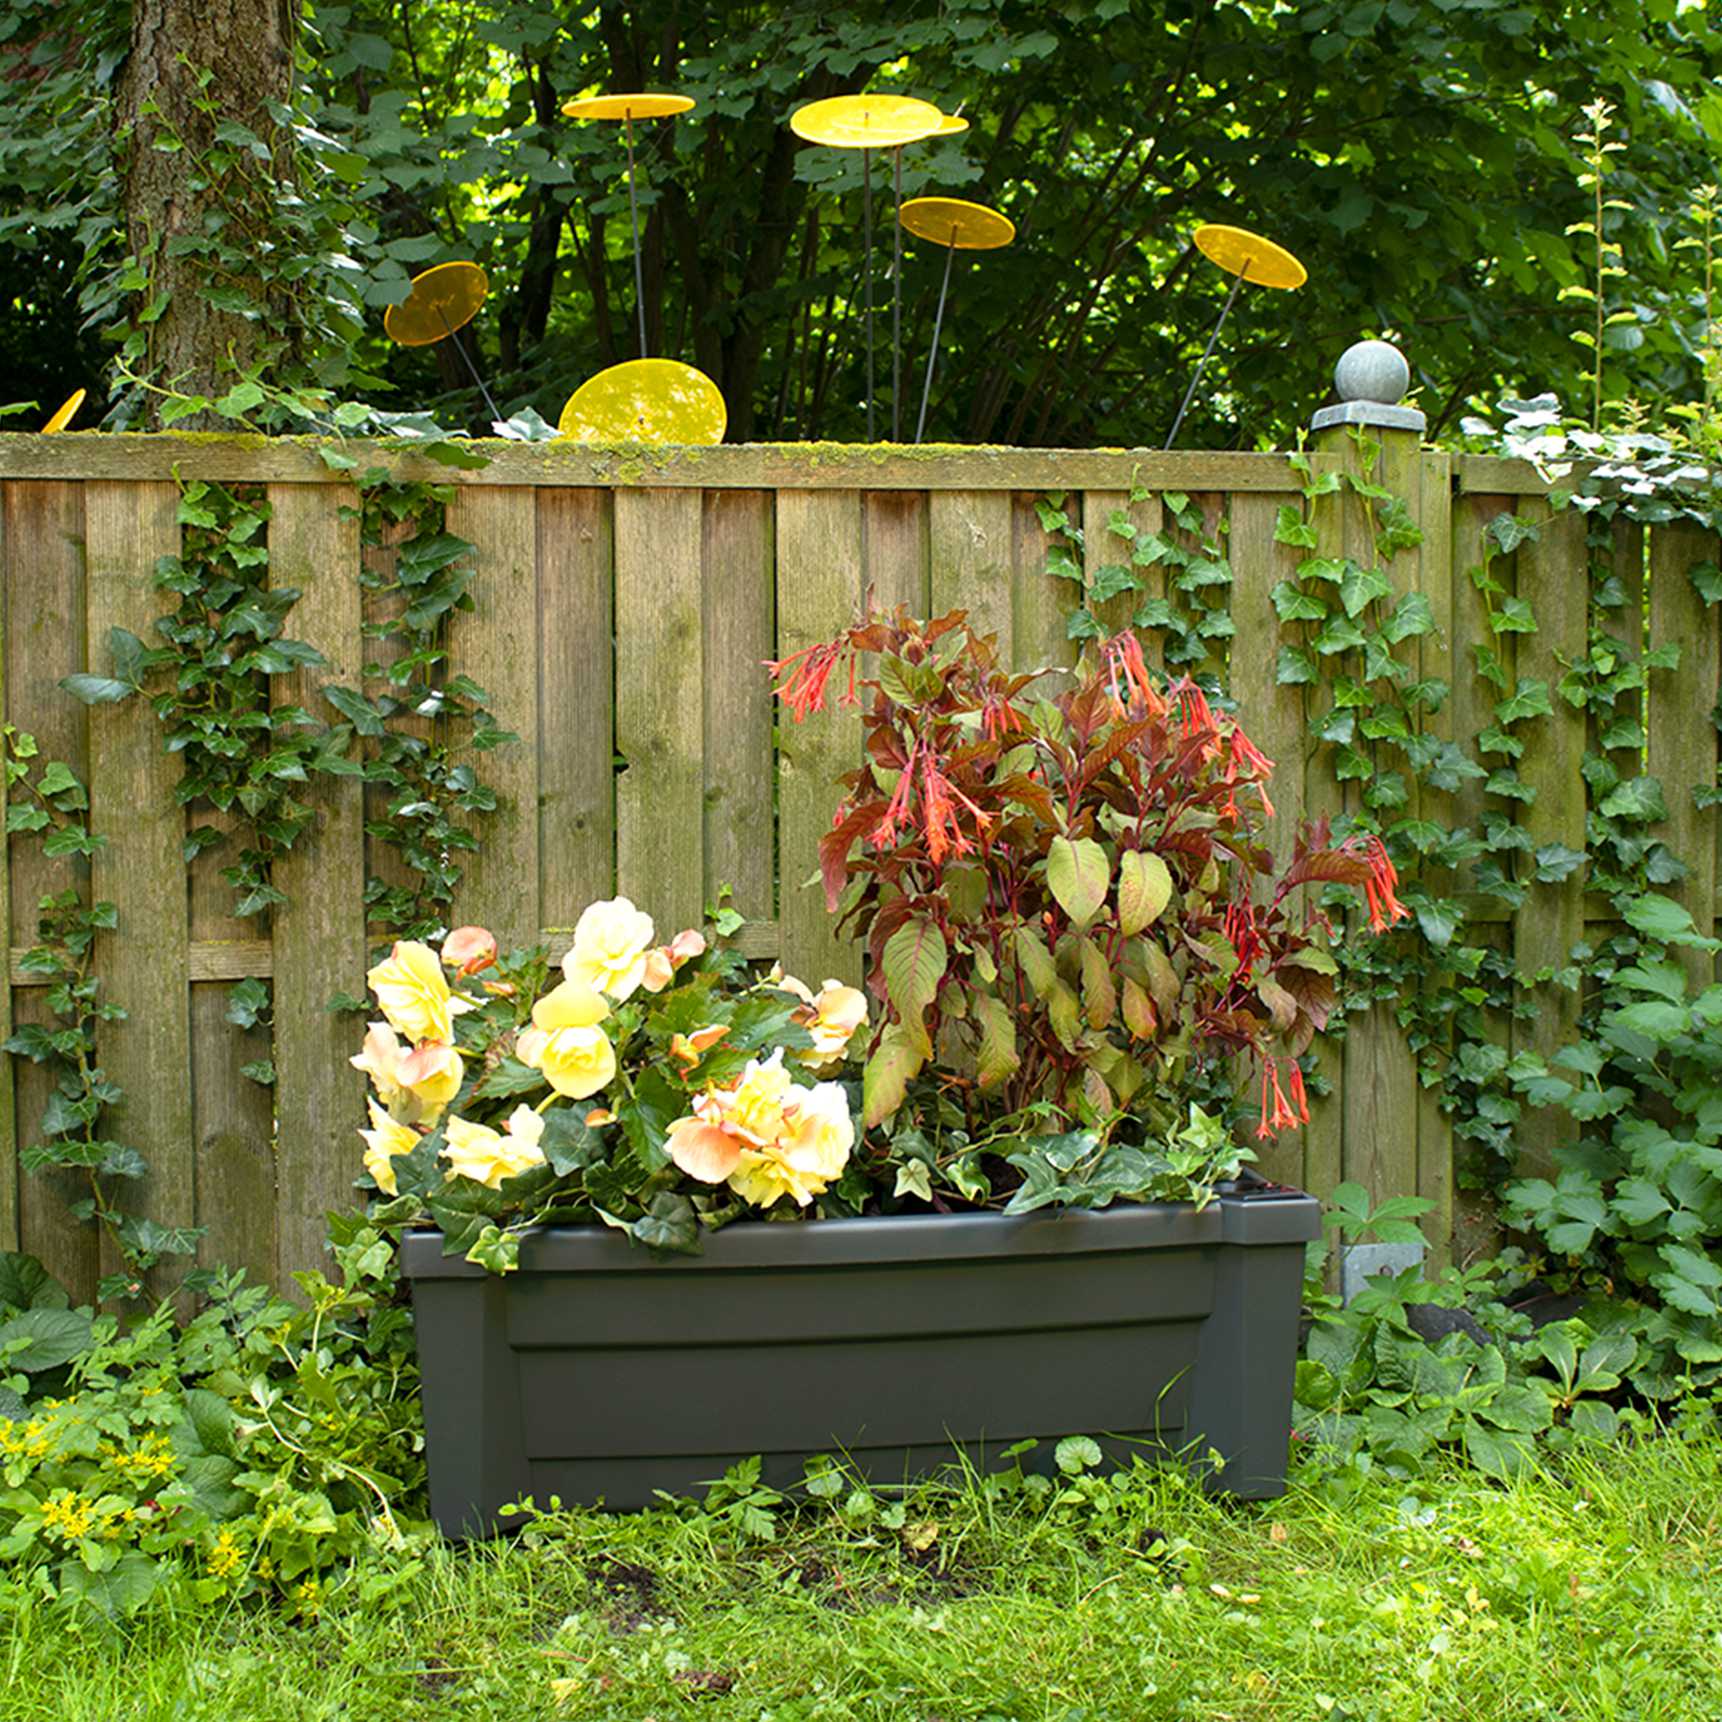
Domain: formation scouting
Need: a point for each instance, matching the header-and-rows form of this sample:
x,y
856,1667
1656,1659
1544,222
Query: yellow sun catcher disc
x,y
639,106
950,125
866,122
443,299
956,222
68,411
646,400
1258,260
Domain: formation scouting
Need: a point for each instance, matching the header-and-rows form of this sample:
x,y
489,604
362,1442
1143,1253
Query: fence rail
x,y
624,603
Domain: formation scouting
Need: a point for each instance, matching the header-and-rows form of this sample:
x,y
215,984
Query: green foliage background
x,y
1417,154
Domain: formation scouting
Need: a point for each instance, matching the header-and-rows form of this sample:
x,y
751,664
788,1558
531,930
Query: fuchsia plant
x,y
1055,890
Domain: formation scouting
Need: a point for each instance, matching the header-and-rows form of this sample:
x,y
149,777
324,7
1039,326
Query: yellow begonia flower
x,y
383,1141
704,1151
566,1044
414,993
753,1108
488,1156
837,1012
611,940
414,1085
812,1149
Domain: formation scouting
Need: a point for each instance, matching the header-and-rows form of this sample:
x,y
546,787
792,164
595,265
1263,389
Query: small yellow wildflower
x,y
227,1556
68,1515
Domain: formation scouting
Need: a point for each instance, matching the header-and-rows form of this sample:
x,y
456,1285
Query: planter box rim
x,y
1261,1216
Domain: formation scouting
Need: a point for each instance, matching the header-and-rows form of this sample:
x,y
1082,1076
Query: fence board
x,y
740,636
497,646
44,543
144,963
576,703
894,537
1682,740
820,560
660,724
1554,571
9,1169
1272,715
1102,548
972,555
319,933
1041,603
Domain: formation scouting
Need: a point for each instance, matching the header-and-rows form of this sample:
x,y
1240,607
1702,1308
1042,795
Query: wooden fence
x,y
623,609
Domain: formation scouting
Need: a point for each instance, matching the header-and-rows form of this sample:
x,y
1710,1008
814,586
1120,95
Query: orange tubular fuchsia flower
x,y
1279,1113
1378,889
1128,671
805,674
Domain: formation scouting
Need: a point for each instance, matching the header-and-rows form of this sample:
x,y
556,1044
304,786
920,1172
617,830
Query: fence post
x,y
1393,1141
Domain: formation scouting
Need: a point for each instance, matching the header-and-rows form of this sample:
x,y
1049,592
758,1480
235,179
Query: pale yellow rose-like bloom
x,y
566,1043
414,993
380,1060
818,1131
837,1012
488,1156
753,1108
659,971
383,1141
432,1074
704,1151
611,940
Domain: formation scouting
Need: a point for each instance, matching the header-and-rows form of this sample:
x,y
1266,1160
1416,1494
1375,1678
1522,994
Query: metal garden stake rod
x,y
897,298
1207,353
634,220
495,412
1237,250
938,324
867,270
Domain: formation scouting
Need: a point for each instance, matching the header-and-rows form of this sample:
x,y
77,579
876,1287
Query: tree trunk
x,y
247,48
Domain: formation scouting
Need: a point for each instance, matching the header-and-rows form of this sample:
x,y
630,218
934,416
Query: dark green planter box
x,y
600,1373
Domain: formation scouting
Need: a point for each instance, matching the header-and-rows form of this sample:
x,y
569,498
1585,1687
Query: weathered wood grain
x,y
141,870
972,555
740,636
660,705
576,703
1553,572
820,576
496,644
319,933
1682,740
770,466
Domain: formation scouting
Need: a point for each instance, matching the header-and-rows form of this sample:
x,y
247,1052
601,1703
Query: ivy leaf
x,y
1513,617
1508,531
668,1223
1361,587
1555,862
1529,699
1290,527
1296,605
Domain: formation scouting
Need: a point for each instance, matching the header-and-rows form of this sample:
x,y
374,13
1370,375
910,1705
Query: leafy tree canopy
x,y
1419,156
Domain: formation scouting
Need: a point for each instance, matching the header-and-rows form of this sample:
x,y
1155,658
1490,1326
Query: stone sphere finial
x,y
1372,371
1370,380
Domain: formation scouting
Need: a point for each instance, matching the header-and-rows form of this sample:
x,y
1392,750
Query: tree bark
x,y
247,47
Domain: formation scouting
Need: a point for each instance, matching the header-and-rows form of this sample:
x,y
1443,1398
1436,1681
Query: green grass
x,y
1583,1591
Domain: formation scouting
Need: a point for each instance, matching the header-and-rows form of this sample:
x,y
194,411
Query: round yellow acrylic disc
x,y
640,106
950,125
955,222
68,411
443,299
646,400
866,122
1259,260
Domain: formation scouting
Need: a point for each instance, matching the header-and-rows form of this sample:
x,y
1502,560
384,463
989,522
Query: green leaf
x,y
885,1078
1290,527
669,1223
1077,1453
97,690
914,962
26,1284
1078,874
44,1338
1144,890
1035,960
996,1059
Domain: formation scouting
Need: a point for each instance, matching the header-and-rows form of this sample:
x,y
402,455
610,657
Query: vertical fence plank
x,y
820,563
970,532
1103,548
1553,573
319,933
1272,716
740,636
660,723
576,740
44,640
9,1167
1041,603
894,534
146,962
1435,1182
1682,737
497,645
382,860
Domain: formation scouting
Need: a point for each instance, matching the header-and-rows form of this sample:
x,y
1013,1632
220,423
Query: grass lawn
x,y
1585,1591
